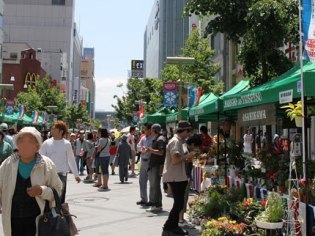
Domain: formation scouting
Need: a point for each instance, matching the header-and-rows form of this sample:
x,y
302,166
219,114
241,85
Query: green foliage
x,y
275,210
264,26
41,96
76,112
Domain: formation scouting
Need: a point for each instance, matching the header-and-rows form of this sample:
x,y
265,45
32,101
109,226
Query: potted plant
x,y
294,111
272,216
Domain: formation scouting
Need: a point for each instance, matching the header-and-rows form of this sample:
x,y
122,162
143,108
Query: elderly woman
x,y
25,181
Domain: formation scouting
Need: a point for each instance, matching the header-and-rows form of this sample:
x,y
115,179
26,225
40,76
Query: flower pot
x,y
298,121
269,225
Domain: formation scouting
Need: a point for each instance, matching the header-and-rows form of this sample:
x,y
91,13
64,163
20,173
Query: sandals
x,y
103,188
97,185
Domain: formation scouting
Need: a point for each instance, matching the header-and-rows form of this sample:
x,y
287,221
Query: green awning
x,y
157,117
208,109
270,92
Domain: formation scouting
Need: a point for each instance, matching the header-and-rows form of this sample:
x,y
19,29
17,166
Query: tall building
x,y
164,36
87,81
47,26
1,36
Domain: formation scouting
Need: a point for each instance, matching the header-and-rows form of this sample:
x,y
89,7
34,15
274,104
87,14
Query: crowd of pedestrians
x,y
92,157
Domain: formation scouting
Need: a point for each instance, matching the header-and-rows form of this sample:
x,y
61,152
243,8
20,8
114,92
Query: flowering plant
x,y
293,110
248,209
223,226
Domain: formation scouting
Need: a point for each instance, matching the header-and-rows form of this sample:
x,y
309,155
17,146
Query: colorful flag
x,y
170,94
21,112
35,117
308,29
44,117
194,96
141,110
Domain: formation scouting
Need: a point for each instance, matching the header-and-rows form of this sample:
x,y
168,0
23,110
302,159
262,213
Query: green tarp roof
x,y
270,91
157,117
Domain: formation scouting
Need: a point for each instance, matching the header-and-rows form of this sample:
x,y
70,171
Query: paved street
x,y
113,213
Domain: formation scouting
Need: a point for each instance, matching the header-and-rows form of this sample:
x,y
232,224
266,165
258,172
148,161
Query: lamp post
x,y
180,61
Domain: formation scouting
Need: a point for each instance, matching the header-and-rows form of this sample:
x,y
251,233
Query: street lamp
x,y
180,61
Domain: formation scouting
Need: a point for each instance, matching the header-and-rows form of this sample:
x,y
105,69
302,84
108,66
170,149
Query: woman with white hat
x,y
25,181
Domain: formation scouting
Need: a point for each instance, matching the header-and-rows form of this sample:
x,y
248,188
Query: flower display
x,y
223,226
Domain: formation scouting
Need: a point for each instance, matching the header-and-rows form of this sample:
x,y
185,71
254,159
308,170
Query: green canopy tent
x,y
157,117
274,90
211,108
173,117
10,119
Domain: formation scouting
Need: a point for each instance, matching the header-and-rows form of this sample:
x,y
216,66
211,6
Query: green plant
x,y
293,110
223,226
275,209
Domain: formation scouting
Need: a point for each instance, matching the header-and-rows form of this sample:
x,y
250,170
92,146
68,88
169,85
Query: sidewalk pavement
x,y
113,212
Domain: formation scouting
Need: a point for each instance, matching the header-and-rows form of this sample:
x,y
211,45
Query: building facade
x,y
47,26
164,36
1,36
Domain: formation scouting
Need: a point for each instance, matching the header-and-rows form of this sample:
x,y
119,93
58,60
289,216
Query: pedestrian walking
x,y
122,158
112,151
144,144
59,150
102,157
80,151
131,142
25,181
90,146
5,148
156,164
174,174
4,128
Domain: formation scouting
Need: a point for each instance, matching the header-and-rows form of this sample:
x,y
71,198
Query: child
x,y
122,158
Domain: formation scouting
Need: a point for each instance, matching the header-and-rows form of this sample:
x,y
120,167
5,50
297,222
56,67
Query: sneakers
x,y
154,209
141,203
148,204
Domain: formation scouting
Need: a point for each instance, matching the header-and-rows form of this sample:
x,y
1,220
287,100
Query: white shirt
x,y
61,153
248,140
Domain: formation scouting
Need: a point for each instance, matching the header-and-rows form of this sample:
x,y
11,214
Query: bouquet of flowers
x,y
248,209
223,226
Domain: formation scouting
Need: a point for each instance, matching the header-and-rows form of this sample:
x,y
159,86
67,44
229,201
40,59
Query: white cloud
x,y
106,88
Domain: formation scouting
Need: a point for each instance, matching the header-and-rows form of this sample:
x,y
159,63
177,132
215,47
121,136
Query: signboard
x,y
76,91
259,115
137,68
170,94
286,96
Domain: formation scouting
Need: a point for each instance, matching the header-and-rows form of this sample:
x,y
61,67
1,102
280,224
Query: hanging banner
x,y
308,29
9,108
170,94
141,110
44,117
35,117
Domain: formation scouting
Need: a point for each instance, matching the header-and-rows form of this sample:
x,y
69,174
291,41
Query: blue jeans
x,y
104,163
64,187
80,162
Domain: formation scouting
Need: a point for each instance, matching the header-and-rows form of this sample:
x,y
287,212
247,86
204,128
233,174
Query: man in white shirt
x,y
131,142
59,150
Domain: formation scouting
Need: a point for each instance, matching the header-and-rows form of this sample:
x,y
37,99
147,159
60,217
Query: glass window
x,y
58,2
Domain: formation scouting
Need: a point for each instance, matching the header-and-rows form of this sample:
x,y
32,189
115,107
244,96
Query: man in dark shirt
x,y
156,166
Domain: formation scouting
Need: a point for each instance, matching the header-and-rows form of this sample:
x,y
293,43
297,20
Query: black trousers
x,y
178,189
23,226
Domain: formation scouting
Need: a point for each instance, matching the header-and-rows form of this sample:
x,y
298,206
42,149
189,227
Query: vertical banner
x,y
44,117
170,94
76,91
9,108
308,29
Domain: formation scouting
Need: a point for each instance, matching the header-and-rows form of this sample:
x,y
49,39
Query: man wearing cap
x,y
4,127
59,150
5,148
144,144
131,142
174,173
156,163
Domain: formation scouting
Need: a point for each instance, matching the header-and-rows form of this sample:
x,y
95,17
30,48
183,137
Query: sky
x,y
115,28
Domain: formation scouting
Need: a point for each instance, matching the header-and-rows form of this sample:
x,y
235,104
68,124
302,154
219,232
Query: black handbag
x,y
50,224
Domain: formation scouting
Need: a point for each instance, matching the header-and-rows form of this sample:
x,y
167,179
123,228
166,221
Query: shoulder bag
x,y
53,222
97,154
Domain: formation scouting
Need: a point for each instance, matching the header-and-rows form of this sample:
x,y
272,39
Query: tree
x,y
201,72
263,27
41,96
75,113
